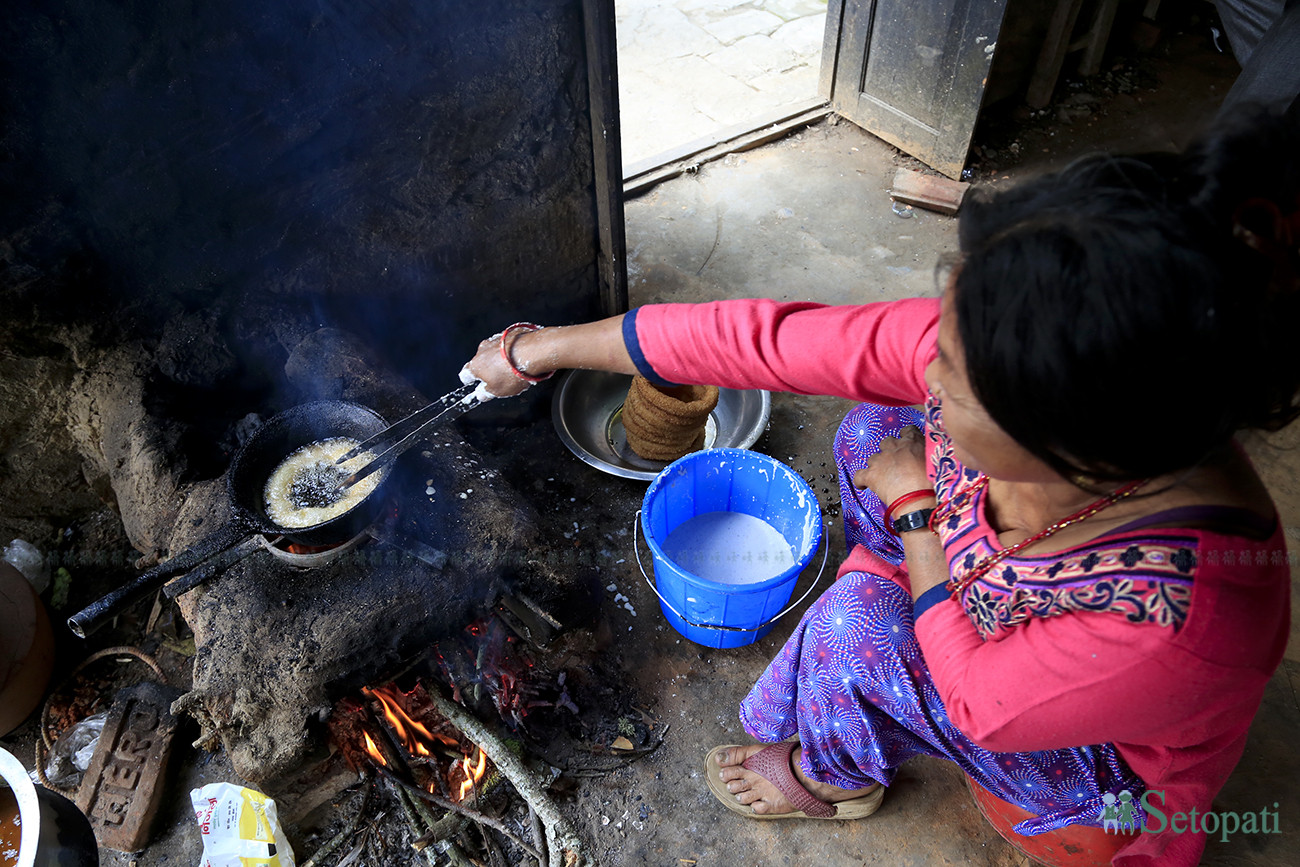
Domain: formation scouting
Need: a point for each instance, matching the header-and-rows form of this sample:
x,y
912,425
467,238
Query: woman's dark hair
x,y
1123,317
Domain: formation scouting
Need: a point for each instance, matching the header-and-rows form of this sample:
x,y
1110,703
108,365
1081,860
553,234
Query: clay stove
x,y
282,634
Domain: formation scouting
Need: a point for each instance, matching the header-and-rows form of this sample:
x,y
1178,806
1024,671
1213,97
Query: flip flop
x,y
772,763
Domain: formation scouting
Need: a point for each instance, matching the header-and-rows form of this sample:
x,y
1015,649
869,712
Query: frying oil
x,y
304,470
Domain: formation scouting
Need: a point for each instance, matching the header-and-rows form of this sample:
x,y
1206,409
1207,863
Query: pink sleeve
x,y
869,352
1064,681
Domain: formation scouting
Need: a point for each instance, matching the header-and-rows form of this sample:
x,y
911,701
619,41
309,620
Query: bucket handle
x,y
636,549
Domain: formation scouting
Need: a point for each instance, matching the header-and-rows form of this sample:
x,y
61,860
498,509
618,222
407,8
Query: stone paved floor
x,y
690,68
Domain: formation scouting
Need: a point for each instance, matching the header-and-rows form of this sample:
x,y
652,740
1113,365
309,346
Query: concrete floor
x,y
691,68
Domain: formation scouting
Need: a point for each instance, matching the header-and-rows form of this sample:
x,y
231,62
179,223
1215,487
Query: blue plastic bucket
x,y
706,611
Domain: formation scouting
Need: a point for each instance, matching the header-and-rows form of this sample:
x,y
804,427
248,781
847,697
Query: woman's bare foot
x,y
761,795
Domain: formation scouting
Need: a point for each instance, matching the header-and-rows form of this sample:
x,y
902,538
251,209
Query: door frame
x,y
607,153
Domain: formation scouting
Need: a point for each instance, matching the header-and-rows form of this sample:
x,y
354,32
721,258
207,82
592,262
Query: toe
x,y
727,775
739,784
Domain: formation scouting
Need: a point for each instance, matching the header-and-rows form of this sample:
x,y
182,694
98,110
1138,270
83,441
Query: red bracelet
x,y
909,497
505,352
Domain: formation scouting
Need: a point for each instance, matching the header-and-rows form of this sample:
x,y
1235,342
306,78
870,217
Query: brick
x,y
928,191
123,787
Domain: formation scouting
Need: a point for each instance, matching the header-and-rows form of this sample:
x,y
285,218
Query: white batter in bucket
x,y
729,548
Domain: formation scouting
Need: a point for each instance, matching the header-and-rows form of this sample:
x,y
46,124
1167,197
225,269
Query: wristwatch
x,y
918,520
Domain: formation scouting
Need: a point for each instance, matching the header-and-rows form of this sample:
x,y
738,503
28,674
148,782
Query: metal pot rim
x,y
29,807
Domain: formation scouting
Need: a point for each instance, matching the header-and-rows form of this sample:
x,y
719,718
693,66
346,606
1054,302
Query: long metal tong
x,y
391,442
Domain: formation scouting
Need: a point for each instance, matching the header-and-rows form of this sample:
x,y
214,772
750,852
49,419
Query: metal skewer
x,y
401,436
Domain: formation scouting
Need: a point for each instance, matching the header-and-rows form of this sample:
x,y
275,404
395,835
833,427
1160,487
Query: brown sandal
x,y
772,763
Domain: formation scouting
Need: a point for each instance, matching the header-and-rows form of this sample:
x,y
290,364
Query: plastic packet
x,y
28,559
72,752
239,828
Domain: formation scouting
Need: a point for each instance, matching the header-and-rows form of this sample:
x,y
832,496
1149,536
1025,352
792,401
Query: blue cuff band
x,y
927,600
633,346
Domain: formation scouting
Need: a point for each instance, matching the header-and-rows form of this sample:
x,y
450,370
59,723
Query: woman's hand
x,y
898,469
491,369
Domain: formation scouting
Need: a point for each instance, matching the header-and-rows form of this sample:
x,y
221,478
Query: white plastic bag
x,y
28,559
239,828
72,752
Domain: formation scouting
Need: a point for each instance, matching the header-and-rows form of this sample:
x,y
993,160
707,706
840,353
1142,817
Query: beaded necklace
x,y
956,588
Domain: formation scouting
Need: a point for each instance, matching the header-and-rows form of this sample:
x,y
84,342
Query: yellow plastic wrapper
x,y
239,828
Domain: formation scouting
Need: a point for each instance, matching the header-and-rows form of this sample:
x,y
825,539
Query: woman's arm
x,y
867,352
874,352
590,346
1054,682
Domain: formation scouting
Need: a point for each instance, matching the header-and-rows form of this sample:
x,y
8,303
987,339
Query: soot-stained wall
x,y
418,171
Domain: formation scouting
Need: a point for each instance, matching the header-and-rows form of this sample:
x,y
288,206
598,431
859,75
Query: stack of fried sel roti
x,y
663,424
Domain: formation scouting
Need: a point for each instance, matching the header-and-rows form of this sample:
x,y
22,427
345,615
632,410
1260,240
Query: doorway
x,y
693,73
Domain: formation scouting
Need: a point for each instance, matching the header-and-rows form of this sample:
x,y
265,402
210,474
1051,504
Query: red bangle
x,y
909,497
505,352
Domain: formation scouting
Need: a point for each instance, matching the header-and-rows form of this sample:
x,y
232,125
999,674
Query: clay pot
x,y
54,833
26,648
1071,846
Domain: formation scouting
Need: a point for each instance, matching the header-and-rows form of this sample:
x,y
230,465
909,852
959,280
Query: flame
x,y
420,741
473,773
412,733
372,750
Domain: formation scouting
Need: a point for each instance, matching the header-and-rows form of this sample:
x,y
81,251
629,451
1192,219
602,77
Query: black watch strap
x,y
918,520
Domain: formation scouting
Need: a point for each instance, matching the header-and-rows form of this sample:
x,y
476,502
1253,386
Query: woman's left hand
x,y
899,467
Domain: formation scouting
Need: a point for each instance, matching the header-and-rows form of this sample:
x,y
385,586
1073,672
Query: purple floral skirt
x,y
851,681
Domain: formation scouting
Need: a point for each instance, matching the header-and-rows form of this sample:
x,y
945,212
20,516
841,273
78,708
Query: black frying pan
x,y
252,465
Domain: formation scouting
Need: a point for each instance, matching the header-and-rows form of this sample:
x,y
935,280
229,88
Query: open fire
x,y
418,739
428,748
405,741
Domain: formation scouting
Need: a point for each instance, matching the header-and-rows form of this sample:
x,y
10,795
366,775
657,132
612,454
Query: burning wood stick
x,y
426,817
566,847
438,831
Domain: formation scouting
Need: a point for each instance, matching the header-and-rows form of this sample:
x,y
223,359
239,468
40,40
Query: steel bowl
x,y
52,831
587,410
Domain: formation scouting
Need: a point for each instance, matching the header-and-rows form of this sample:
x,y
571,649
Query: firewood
x,y
566,848
417,827
472,815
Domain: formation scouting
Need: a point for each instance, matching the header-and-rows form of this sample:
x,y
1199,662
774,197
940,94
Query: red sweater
x,y
1177,705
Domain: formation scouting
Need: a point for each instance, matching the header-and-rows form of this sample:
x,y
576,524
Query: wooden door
x,y
912,71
